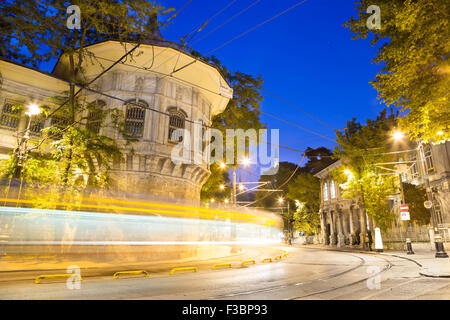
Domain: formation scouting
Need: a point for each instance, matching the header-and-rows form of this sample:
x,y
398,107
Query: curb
x,y
423,271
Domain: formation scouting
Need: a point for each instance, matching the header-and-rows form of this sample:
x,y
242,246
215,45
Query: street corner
x,y
436,272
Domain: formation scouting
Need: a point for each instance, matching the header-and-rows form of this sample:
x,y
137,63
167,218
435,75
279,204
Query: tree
x,y
211,189
37,32
269,200
241,112
304,190
414,54
362,148
415,196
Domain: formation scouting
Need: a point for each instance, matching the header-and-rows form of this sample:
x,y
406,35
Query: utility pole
x,y
234,186
440,251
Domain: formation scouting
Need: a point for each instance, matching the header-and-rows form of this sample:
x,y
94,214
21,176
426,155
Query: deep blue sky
x,y
305,56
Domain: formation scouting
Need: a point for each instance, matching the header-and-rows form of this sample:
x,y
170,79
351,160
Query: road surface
x,y
306,273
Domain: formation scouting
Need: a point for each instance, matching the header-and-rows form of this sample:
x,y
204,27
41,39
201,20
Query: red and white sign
x,y
404,208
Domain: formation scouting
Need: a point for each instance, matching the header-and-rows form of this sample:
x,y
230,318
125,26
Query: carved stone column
x,y
341,235
333,240
363,228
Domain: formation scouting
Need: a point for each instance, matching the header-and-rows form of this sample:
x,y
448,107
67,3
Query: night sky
x,y
305,56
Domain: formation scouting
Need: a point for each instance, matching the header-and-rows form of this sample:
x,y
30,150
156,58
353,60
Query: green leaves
x,y
414,55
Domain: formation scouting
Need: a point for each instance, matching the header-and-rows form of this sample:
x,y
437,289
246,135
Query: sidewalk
x,y
429,266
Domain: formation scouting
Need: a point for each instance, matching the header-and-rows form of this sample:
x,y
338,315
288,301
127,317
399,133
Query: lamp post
x,y
397,137
222,165
21,151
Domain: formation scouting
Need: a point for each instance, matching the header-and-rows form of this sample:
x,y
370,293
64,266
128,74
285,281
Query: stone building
x,y
170,87
343,222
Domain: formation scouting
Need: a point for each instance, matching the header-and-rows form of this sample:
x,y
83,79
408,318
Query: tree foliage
x,y
414,54
415,196
241,112
362,148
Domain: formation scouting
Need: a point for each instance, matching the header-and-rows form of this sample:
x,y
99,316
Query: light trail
x,y
182,210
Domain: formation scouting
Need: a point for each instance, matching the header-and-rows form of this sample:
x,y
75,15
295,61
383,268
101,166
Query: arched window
x,y
94,120
429,158
176,121
325,191
332,190
134,118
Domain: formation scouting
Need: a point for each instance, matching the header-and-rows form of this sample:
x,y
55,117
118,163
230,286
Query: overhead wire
x,y
227,21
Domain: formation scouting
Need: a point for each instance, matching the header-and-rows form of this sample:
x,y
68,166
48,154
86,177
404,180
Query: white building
x,y
193,93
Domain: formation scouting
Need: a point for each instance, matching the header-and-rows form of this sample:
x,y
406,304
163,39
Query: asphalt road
x,y
305,273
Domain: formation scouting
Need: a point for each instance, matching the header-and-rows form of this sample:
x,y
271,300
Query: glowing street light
x,y
241,187
213,200
226,201
245,161
280,200
347,172
440,133
33,110
221,187
222,165
398,135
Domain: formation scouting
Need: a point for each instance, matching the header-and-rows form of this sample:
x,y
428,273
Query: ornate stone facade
x,y
195,93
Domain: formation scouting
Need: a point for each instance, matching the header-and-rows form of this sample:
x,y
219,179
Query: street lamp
x,y
221,187
398,135
21,151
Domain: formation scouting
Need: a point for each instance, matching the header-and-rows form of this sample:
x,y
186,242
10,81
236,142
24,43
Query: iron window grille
x,y
134,120
36,125
176,121
60,123
428,159
94,119
10,117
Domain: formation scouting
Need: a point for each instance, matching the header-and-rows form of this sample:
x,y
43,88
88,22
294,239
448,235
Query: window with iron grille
x,y
428,158
134,119
60,123
10,116
176,121
37,124
438,211
94,120
414,169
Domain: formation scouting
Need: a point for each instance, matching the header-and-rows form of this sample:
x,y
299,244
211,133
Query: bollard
x,y
440,251
409,246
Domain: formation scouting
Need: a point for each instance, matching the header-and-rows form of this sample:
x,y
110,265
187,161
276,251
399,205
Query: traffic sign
x,y
404,215
428,204
404,207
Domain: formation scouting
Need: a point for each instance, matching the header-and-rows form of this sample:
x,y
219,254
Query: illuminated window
x,y
176,121
428,158
10,116
332,190
325,191
94,119
134,119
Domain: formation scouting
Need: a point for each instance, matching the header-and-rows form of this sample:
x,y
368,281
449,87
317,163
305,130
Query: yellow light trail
x,y
223,214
